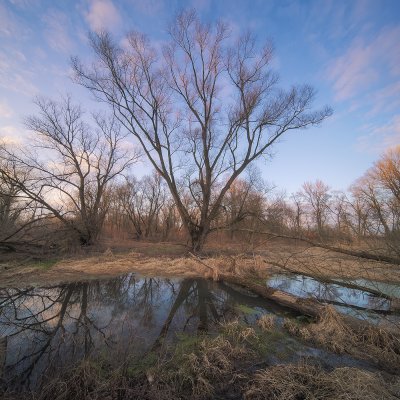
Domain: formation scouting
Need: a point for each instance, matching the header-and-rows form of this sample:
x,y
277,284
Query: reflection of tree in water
x,y
42,330
343,294
40,321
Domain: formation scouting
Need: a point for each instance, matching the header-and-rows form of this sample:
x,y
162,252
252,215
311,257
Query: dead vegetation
x,y
310,382
196,368
211,366
204,367
332,332
172,260
323,263
109,264
266,322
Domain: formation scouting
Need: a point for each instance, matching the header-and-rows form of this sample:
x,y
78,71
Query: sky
x,y
349,50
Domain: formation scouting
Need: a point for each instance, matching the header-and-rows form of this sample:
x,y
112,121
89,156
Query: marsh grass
x,y
311,382
331,331
267,322
227,365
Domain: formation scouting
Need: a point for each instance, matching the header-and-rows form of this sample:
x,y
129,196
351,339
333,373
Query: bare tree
x,y
298,211
379,190
244,203
18,216
70,165
142,201
10,210
203,111
317,197
358,213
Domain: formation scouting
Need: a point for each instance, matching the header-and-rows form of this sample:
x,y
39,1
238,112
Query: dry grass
x,y
308,382
322,263
332,332
208,369
211,366
109,264
267,322
168,259
204,367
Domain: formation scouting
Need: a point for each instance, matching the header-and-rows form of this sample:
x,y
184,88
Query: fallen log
x,y
310,307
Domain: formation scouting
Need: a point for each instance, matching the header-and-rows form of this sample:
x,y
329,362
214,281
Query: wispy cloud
x,y
15,75
11,25
24,4
386,99
149,7
7,22
380,137
365,63
56,31
102,14
5,110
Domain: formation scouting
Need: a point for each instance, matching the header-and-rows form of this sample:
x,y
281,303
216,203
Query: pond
x,y
45,330
51,327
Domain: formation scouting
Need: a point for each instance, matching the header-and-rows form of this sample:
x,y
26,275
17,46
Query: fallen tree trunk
x,y
310,307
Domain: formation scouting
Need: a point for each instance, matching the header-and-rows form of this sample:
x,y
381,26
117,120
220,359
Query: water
x,y
387,289
356,302
45,329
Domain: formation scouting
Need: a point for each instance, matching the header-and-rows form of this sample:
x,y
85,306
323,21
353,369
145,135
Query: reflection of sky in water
x,y
388,289
304,286
45,329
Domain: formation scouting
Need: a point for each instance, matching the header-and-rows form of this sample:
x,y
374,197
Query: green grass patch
x,y
242,308
188,343
43,264
140,365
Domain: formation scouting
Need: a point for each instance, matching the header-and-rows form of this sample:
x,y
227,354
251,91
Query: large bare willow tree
x,y
203,109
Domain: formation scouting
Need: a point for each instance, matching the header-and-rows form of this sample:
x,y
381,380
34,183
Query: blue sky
x,y
349,50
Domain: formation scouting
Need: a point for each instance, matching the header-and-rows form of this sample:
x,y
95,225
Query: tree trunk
x,y
198,237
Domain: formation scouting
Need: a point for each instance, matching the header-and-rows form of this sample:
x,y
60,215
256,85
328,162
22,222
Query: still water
x,y
45,329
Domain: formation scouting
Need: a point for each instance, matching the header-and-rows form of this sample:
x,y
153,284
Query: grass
x,y
141,365
310,382
44,265
246,310
331,332
203,367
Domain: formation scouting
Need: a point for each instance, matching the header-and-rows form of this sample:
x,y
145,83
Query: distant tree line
x,y
73,189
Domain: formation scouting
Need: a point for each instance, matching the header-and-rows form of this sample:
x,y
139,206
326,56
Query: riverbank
x,y
168,259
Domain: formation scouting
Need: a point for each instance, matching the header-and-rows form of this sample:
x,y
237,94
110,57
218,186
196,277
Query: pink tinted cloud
x,y
365,63
56,31
5,110
102,15
380,137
